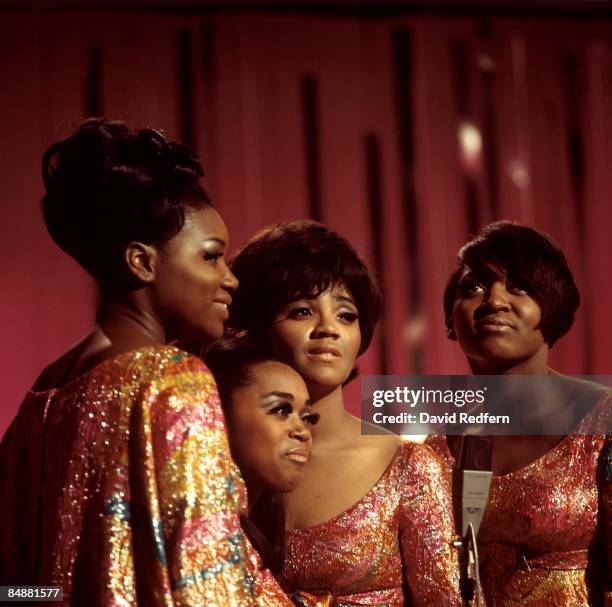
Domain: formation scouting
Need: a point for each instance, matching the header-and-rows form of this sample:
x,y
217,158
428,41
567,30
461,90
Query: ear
x,y
450,330
141,260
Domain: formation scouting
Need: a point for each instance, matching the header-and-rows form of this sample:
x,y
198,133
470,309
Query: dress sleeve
x,y
193,493
427,531
606,500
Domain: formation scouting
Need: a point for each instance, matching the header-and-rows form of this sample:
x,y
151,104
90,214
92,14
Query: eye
x,y
213,256
469,287
348,316
310,418
282,410
518,290
299,312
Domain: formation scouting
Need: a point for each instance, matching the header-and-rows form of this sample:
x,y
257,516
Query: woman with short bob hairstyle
x,y
116,476
510,299
371,511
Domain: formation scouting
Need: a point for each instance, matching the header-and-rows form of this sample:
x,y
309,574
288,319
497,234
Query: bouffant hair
x,y
107,185
528,258
295,260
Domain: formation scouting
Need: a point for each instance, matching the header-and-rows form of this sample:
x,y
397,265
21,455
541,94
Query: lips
x,y
222,304
494,324
324,352
298,455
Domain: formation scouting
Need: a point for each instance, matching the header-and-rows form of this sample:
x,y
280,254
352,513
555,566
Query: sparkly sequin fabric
x,y
119,487
402,527
539,541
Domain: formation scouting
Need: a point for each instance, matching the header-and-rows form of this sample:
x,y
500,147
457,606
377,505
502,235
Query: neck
x,y
129,321
254,491
537,364
334,421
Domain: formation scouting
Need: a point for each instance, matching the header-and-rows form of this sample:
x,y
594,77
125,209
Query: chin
x,y
329,378
285,485
210,334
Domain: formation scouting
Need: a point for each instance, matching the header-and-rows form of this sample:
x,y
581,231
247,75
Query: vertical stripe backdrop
x,y
404,133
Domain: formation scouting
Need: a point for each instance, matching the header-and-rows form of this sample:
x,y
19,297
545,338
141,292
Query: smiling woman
x,y
541,541
131,494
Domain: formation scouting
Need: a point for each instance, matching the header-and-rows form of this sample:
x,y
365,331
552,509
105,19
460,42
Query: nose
x,y
325,327
300,432
497,296
229,282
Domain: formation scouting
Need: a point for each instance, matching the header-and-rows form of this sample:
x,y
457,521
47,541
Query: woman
x,y
370,510
269,420
510,299
131,494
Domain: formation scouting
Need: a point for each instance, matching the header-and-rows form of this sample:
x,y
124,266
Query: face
x,y
193,284
320,338
496,323
269,428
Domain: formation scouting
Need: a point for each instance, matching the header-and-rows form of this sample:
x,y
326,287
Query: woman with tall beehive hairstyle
x,y
116,477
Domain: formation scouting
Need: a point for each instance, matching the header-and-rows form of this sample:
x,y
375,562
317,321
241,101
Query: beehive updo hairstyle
x,y
108,185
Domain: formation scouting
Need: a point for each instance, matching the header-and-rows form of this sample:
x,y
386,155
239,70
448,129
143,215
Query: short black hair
x,y
293,260
530,258
108,185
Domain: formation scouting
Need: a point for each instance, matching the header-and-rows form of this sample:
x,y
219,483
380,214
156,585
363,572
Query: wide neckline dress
x,y
400,531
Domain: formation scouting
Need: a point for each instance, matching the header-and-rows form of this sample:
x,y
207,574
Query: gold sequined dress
x,y
401,529
541,540
119,488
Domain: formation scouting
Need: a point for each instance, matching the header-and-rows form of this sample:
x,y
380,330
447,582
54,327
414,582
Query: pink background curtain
x,y
404,133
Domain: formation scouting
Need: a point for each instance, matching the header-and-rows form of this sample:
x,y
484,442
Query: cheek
x,y
462,315
355,337
260,441
286,341
532,315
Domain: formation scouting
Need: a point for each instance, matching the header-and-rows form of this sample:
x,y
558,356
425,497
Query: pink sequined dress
x,y
401,529
540,540
119,487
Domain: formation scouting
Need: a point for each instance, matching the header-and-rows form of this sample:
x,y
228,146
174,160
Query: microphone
x,y
472,482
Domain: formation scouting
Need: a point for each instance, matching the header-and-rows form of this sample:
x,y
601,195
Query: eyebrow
x,y
344,299
341,298
285,395
485,274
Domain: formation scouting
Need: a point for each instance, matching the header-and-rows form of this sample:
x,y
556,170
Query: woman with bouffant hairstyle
x,y
371,521
116,476
541,541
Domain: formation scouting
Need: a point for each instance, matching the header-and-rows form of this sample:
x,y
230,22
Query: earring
x,y
450,333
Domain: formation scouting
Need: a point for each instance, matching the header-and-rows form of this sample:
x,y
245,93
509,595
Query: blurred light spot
x,y
486,63
470,146
518,174
415,329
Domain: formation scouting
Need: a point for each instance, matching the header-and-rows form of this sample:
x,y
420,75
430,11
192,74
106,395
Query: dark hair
x,y
231,361
529,258
298,259
107,185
